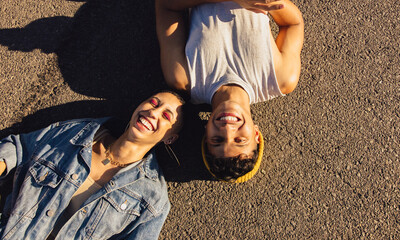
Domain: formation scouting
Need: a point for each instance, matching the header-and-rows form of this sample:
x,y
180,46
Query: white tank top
x,y
230,45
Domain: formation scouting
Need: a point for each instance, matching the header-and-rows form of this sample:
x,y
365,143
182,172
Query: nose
x,y
228,132
154,112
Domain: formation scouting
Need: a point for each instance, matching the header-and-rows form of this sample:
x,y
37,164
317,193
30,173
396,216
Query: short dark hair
x,y
231,168
173,93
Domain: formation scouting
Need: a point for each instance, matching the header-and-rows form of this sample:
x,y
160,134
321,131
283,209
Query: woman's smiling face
x,y
156,119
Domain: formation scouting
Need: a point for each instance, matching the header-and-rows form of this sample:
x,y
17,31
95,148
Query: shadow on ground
x,y
108,50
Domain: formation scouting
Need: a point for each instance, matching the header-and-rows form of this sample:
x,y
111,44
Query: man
x,y
230,60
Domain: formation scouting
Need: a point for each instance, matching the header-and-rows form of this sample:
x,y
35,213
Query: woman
x,y
74,180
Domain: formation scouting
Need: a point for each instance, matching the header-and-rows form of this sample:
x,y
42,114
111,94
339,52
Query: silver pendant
x,y
106,161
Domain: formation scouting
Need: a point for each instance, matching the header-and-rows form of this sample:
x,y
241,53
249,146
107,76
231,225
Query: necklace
x,y
109,159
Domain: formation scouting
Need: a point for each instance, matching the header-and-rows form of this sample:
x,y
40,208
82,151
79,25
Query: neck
x,y
125,151
231,93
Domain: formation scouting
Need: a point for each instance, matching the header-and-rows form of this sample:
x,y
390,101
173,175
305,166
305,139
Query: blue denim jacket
x,y
52,163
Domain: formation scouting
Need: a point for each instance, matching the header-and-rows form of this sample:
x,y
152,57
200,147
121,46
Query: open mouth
x,y
228,118
145,123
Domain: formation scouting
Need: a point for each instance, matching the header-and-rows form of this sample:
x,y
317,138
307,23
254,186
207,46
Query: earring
x,y
171,152
127,126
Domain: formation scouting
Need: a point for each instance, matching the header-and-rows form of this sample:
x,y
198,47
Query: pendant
x,y
106,161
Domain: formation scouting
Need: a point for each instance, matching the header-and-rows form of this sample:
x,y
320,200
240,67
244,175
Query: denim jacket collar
x,y
85,136
127,176
147,165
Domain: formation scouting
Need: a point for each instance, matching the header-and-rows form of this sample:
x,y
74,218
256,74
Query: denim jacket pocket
x,y
44,175
124,203
122,210
38,190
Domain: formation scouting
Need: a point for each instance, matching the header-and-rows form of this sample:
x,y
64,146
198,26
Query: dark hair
x,y
173,93
231,168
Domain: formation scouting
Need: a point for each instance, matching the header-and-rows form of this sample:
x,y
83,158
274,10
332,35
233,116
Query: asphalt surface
x,y
331,164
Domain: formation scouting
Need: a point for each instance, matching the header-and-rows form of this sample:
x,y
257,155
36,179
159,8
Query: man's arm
x,y
3,167
289,43
263,5
172,35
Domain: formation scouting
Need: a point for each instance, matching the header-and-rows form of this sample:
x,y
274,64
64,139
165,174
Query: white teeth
x,y
146,123
229,118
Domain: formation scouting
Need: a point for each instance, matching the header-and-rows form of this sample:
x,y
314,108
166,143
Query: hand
x,y
260,6
2,167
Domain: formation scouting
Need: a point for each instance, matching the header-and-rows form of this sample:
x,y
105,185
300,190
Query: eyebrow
x,y
237,145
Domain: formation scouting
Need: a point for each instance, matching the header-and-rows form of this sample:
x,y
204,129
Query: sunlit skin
x,y
2,167
154,119
230,130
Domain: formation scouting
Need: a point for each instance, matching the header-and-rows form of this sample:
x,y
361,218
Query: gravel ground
x,y
331,163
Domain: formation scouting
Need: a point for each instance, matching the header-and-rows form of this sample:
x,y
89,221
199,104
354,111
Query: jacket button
x,y
74,176
50,213
42,178
123,206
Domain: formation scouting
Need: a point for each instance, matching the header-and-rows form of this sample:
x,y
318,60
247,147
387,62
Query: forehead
x,y
168,100
166,96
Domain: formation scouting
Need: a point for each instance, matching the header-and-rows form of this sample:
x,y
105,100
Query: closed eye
x,y
155,102
167,116
217,140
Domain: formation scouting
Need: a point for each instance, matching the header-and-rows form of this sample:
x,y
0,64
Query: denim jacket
x,y
50,166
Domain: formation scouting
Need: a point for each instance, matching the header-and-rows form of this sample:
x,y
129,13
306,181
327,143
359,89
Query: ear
x,y
257,133
171,139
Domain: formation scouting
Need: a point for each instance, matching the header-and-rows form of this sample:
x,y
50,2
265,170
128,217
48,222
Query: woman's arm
x,y
16,149
9,154
150,229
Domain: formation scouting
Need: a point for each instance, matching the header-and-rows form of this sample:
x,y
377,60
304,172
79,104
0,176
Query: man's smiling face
x,y
230,131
